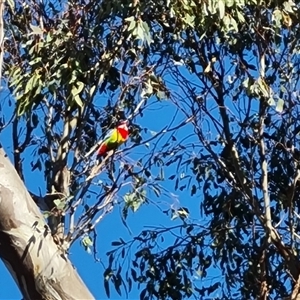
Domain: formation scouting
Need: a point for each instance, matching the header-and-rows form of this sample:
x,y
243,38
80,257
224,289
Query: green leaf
x,y
136,205
133,274
106,287
60,204
47,214
190,20
92,90
230,3
140,32
193,190
37,165
132,25
128,197
147,35
78,101
22,107
87,241
264,88
240,17
183,212
117,243
221,5
76,91
118,282
31,83
161,95
289,6
271,101
35,61
11,4
277,18
129,19
35,30
230,23
35,120
279,105
147,173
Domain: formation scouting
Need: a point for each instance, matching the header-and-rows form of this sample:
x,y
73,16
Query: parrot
x,y
114,139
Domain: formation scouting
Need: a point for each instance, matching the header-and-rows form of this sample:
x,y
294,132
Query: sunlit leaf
x,y
59,203
280,105
132,25
11,4
221,9
35,30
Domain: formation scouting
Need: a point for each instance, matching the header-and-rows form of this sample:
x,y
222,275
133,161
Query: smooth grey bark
x,y
39,267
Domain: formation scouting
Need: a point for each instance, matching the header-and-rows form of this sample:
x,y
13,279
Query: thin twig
x,y
264,164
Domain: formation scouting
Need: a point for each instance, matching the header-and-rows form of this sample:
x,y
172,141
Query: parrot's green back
x,y
114,140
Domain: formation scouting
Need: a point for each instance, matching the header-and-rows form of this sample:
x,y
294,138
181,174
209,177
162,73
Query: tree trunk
x,y
39,267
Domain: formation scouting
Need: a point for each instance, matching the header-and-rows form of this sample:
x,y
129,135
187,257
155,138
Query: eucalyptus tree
x,y
229,70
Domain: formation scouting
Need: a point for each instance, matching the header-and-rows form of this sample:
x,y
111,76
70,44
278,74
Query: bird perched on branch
x,y
114,139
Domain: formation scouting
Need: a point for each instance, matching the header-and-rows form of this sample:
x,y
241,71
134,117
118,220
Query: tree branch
x,y
39,267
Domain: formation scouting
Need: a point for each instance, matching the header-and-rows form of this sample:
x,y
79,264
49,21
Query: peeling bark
x,y
39,267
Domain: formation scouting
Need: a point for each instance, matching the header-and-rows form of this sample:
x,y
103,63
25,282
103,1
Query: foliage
x,y
230,71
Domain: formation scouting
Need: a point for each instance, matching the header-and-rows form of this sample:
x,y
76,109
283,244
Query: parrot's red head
x,y
115,138
123,129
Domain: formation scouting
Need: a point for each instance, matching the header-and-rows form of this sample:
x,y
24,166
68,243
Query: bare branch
x,y
39,267
295,294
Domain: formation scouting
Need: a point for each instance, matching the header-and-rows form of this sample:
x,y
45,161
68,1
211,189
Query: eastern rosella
x,y
114,139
